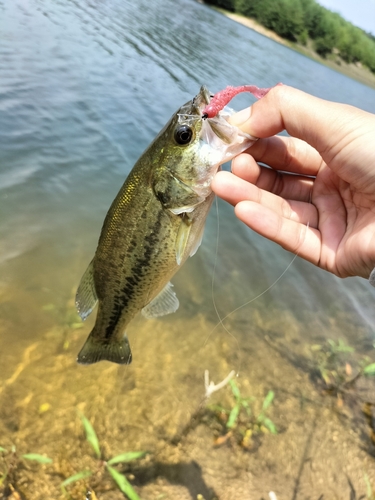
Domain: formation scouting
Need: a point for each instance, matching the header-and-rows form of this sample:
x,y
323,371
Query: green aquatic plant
x,y
264,422
12,459
119,479
67,317
335,361
331,359
241,420
370,493
240,403
367,366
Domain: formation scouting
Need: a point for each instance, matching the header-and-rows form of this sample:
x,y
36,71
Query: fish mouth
x,y
192,112
216,130
202,99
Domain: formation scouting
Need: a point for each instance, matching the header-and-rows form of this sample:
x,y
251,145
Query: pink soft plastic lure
x,y
221,99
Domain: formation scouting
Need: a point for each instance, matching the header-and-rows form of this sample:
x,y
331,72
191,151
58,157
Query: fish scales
x,y
154,224
122,285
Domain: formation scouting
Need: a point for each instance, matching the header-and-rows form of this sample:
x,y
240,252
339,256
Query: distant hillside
x,y
309,24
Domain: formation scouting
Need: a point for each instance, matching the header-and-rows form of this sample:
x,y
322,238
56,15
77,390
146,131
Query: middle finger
x,y
288,186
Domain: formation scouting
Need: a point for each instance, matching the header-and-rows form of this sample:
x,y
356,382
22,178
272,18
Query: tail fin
x,y
94,350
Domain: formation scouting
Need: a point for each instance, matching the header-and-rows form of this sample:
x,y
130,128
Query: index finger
x,y
288,154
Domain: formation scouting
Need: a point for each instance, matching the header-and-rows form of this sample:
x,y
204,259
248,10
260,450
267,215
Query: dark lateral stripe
x,y
138,271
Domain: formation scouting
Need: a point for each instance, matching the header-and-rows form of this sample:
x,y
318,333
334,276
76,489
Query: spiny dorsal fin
x,y
86,297
166,302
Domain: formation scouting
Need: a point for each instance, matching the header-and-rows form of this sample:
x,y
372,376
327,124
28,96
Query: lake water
x,y
84,88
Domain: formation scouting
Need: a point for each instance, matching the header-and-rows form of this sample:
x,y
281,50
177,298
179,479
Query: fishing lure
x,y
221,99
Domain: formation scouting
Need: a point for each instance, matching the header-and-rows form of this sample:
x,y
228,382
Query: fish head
x,y
197,146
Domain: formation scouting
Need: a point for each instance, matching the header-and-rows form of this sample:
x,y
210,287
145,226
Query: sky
x,y
359,12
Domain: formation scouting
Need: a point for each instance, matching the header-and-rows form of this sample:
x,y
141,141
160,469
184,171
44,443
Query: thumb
x,y
337,131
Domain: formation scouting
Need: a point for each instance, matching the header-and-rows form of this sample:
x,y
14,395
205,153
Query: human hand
x,y
318,197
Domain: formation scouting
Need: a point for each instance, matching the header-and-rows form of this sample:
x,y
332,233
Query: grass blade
x,y
3,449
123,484
233,416
343,347
369,369
37,458
76,477
235,389
369,490
218,408
127,457
91,436
268,400
245,404
267,422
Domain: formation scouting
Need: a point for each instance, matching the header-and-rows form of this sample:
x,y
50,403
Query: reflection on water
x,y
84,88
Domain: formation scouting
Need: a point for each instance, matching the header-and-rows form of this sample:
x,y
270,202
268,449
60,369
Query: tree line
x,y
301,20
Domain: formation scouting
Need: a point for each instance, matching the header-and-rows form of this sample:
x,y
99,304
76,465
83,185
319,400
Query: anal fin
x,y
86,297
166,302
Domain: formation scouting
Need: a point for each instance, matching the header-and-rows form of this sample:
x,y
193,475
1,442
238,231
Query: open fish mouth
x,y
202,99
192,111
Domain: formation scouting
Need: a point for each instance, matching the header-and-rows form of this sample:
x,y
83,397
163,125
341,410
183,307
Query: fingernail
x,y
241,117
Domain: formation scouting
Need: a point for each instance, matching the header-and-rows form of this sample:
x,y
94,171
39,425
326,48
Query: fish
x,y
154,224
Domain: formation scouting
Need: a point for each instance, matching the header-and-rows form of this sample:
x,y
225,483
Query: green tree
x,y
312,16
248,8
327,32
285,17
224,4
368,57
297,20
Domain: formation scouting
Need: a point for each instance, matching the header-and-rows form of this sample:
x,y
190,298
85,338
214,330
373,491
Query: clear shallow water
x,y
84,88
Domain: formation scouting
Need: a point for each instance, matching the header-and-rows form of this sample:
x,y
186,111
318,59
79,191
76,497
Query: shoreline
x,y
354,71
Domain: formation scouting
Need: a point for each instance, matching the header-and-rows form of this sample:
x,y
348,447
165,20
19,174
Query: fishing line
x,y
221,320
213,285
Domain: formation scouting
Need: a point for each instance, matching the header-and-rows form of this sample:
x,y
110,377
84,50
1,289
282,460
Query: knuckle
x,y
299,240
278,184
289,153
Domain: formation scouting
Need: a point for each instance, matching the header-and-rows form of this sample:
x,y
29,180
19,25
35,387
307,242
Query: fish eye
x,y
183,134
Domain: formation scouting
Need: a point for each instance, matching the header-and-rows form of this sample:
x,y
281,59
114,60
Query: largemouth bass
x,y
154,224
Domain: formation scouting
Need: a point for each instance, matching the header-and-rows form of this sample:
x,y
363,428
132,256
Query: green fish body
x,y
154,224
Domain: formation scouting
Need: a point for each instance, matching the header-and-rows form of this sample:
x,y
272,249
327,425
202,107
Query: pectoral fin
x,y
86,297
197,243
166,302
182,237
